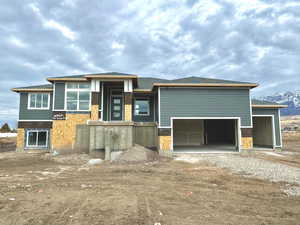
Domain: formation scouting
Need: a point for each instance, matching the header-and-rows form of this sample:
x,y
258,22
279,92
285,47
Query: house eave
x,y
269,106
32,90
248,85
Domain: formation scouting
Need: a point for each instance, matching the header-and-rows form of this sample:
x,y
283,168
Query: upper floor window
x,y
141,107
39,101
78,96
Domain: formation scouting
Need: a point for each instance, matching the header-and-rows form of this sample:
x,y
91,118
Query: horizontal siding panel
x,y
26,114
198,102
275,112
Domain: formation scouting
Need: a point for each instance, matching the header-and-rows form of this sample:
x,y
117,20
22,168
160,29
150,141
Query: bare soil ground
x,y
36,190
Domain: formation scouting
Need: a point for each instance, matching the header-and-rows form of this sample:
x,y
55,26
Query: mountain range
x,y
290,98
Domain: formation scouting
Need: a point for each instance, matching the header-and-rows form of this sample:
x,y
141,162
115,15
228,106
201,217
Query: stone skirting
x,y
20,139
247,142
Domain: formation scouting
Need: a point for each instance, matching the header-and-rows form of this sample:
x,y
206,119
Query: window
x,y
38,101
141,107
37,138
78,96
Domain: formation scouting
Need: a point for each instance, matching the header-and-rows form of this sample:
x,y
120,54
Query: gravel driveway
x,y
250,166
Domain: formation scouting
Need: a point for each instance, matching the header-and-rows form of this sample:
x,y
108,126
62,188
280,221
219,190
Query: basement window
x,y
78,96
39,101
37,138
141,107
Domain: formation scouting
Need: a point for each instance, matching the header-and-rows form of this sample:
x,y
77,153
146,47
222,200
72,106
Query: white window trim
x,y
77,90
142,98
35,108
37,146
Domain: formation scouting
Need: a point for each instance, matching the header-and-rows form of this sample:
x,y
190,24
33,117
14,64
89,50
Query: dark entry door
x,y
116,108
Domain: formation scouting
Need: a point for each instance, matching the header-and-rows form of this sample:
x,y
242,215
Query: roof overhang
x,y
99,76
269,106
66,79
142,90
32,89
247,85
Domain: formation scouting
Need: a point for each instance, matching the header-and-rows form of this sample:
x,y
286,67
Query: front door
x,y
116,108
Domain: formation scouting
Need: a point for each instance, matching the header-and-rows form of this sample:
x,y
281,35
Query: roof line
x,y
110,76
66,79
268,106
32,89
252,85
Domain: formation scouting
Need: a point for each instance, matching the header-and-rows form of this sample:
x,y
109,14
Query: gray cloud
x,y
253,41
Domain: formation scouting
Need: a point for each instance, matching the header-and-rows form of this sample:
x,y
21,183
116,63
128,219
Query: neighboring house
x,y
190,114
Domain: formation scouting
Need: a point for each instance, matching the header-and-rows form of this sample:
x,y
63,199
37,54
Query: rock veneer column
x,y
247,138
20,139
165,142
128,106
95,106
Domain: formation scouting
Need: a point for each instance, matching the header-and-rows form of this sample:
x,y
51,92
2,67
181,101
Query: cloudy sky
x,y
251,40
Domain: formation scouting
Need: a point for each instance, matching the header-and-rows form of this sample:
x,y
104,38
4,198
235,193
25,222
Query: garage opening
x,y
263,132
205,135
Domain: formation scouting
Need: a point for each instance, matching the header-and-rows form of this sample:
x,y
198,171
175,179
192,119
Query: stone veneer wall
x,y
247,138
164,141
64,131
95,112
20,139
128,106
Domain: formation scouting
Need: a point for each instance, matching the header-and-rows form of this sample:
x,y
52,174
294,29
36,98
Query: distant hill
x,y
290,98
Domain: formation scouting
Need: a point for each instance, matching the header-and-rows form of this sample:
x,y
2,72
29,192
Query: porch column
x,y
128,95
95,101
128,106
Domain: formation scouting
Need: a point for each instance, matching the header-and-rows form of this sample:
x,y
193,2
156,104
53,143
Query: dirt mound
x,y
138,153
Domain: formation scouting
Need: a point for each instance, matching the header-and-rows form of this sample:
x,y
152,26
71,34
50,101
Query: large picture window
x,y
141,107
39,101
78,96
37,138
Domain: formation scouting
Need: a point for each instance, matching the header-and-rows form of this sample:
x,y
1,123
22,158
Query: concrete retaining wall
x,y
115,136
146,134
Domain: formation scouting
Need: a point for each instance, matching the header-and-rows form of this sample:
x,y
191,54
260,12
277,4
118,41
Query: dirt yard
x,y
36,190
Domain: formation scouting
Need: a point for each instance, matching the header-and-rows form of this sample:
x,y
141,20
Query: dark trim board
x,y
34,124
247,132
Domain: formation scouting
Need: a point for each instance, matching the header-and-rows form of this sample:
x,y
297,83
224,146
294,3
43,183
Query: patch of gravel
x,y
253,167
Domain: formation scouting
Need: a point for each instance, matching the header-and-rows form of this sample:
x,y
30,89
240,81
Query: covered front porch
x,y
117,100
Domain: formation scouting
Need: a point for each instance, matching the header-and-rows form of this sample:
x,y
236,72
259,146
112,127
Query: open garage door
x,y
205,135
263,132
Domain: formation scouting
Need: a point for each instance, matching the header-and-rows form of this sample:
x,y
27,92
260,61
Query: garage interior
x,y
205,135
262,132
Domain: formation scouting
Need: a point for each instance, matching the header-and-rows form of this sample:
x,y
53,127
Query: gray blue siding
x,y
204,102
59,100
28,114
275,112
